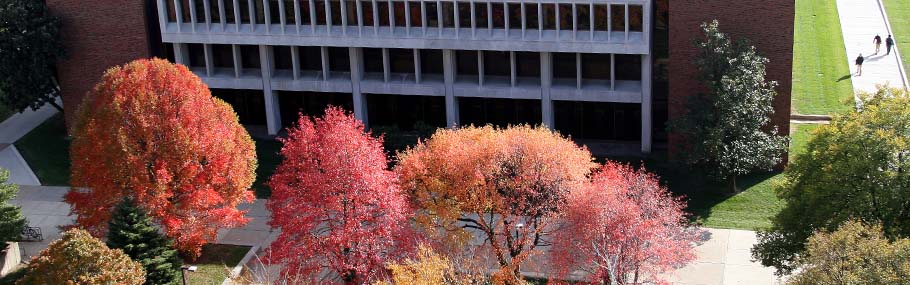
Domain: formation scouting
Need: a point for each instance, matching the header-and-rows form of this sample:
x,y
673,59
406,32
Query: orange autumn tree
x,y
151,131
504,186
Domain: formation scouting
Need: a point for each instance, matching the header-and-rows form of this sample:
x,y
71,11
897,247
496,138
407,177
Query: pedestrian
x,y
889,42
878,43
859,65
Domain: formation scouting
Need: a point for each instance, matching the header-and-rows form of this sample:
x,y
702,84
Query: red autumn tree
x,y
152,131
337,205
623,228
503,186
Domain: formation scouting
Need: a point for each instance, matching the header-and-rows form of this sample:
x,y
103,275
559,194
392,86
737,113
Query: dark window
x,y
244,11
320,11
531,21
618,14
200,11
499,112
289,17
549,16
514,16
335,6
448,14
351,11
223,56
196,55
401,60
466,62
528,64
310,58
565,17
229,16
282,56
274,12
249,56
339,60
383,12
367,13
249,104
405,113
595,66
635,18
416,14
292,104
214,12
260,12
497,63
597,120
600,17
400,14
372,60
185,5
584,17
171,11
431,61
628,67
499,14
464,14
564,65
481,15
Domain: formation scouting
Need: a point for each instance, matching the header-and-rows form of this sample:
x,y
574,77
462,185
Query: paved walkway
x,y
11,130
19,172
860,21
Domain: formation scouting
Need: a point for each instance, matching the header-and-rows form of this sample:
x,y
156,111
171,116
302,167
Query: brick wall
x,y
768,24
97,36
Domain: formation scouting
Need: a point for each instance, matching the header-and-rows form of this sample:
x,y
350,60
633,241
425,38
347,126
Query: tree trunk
x,y
733,187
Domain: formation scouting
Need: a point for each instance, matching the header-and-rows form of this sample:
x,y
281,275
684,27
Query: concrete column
x,y
297,16
360,101
546,80
480,75
328,17
162,15
417,71
386,66
238,63
178,14
325,62
473,20
193,19
513,69
272,110
252,15
207,8
237,14
209,63
281,15
646,103
181,54
295,61
448,64
221,15
312,16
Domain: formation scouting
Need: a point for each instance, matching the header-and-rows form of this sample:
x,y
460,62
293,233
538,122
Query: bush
x,y
78,258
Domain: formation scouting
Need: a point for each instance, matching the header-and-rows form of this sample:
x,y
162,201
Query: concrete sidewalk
x,y
19,172
860,21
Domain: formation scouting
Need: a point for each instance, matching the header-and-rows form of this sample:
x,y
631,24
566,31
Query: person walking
x,y
878,43
859,65
889,42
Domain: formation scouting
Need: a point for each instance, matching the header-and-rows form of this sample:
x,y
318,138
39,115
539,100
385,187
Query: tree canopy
x,y
30,47
78,258
505,186
11,220
336,203
726,129
151,131
855,167
132,231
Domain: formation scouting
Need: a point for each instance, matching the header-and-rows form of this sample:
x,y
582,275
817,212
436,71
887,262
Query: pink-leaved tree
x,y
341,214
622,228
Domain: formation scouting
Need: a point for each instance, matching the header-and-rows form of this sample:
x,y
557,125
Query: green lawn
x,y
46,149
899,17
821,76
215,262
267,154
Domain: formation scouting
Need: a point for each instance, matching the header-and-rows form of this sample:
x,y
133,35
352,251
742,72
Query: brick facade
x,y
97,36
768,24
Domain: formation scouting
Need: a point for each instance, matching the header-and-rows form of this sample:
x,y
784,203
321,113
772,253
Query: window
x,y
383,12
595,66
260,12
171,11
628,67
481,15
564,65
549,16
223,56
401,60
310,58
244,11
584,17
367,13
196,55
514,15
466,62
618,14
497,63
416,14
499,20
351,11
304,12
335,7
431,61
289,17
565,17
185,5
320,11
274,12
339,60
432,14
400,14
635,18
531,20
464,14
214,12
282,57
600,18
448,14
528,64
372,60
249,56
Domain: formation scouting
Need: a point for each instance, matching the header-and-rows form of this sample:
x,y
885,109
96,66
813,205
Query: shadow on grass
x,y
267,154
845,77
46,149
214,262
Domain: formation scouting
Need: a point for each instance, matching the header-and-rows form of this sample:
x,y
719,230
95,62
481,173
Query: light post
x,y
184,269
518,228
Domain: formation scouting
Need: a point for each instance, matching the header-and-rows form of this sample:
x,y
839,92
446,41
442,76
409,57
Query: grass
x,y
821,75
267,154
899,17
46,149
212,266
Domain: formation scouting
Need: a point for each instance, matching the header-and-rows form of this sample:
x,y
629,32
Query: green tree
x,y
858,166
132,231
854,254
30,47
77,258
11,220
727,128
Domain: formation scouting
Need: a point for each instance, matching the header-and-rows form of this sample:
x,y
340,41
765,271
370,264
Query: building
x,y
601,71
